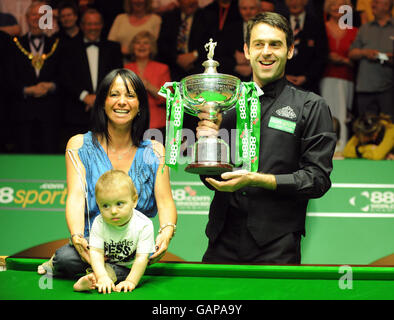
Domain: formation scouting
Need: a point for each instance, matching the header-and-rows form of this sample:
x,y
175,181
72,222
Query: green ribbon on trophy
x,y
248,127
174,121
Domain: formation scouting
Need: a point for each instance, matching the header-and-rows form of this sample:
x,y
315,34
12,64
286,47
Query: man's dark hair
x,y
274,20
67,4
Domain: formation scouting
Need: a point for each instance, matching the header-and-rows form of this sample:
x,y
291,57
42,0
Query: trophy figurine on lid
x,y
209,92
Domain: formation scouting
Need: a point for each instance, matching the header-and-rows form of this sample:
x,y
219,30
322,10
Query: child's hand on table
x,y
105,284
125,286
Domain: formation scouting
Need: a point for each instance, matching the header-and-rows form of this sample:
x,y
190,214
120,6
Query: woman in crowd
x,y
337,84
138,17
153,74
120,118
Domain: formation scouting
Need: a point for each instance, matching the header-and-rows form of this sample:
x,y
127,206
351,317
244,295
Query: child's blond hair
x,y
113,179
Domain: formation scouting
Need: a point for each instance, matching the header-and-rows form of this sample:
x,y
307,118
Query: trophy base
x,y
208,168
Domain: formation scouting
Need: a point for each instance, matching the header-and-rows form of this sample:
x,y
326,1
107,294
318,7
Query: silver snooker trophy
x,y
209,92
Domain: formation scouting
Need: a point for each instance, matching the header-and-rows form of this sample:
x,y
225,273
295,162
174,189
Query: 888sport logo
x,y
34,195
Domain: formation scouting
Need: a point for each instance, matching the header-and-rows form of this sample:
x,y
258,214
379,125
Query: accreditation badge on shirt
x,y
284,119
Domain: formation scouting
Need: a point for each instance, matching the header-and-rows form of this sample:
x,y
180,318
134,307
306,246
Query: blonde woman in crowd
x,y
153,74
138,17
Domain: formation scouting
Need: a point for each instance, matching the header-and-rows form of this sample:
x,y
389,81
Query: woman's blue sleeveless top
x,y
142,171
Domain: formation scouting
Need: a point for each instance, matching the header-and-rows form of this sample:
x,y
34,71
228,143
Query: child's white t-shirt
x,y
120,244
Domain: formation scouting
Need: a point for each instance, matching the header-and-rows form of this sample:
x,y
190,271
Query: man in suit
x,y
6,136
34,86
310,47
181,40
68,20
247,9
85,62
222,18
258,215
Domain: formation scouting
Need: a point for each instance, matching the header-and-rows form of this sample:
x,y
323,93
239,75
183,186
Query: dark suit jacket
x,y
167,42
75,75
6,45
23,75
311,52
228,38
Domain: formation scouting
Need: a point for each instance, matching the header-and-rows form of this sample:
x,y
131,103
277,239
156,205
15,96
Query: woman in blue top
x,y
120,118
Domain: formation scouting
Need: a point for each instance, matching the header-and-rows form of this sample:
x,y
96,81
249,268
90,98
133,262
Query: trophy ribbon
x,y
174,119
248,127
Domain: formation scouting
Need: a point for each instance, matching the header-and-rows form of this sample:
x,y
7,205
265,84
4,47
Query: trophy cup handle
x,y
165,85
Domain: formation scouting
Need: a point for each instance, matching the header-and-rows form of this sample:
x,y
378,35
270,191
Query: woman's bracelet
x,y
80,235
169,224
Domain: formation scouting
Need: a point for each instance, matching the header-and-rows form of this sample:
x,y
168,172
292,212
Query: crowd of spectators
x,y
54,60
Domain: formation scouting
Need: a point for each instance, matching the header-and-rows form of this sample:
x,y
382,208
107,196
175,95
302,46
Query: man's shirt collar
x,y
272,89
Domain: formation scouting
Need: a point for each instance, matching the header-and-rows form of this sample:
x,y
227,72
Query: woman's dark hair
x,y
274,20
99,118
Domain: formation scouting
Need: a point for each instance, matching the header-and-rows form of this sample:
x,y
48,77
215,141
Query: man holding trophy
x,y
281,145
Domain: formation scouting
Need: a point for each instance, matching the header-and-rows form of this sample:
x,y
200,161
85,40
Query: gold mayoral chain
x,y
37,60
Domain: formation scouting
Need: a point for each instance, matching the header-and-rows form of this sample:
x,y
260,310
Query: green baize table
x,y
199,281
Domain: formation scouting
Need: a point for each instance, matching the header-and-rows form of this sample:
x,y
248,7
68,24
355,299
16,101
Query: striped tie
x,y
297,27
182,36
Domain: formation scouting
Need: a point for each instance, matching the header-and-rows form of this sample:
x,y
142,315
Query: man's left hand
x,y
232,181
243,178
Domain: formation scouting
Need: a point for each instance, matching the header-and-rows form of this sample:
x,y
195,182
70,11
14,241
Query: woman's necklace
x,y
120,156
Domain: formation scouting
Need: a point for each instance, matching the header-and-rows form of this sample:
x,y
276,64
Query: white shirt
x,y
93,58
33,50
120,244
301,18
92,53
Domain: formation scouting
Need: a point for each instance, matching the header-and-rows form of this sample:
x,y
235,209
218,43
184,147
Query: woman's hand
x,y
82,247
162,242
